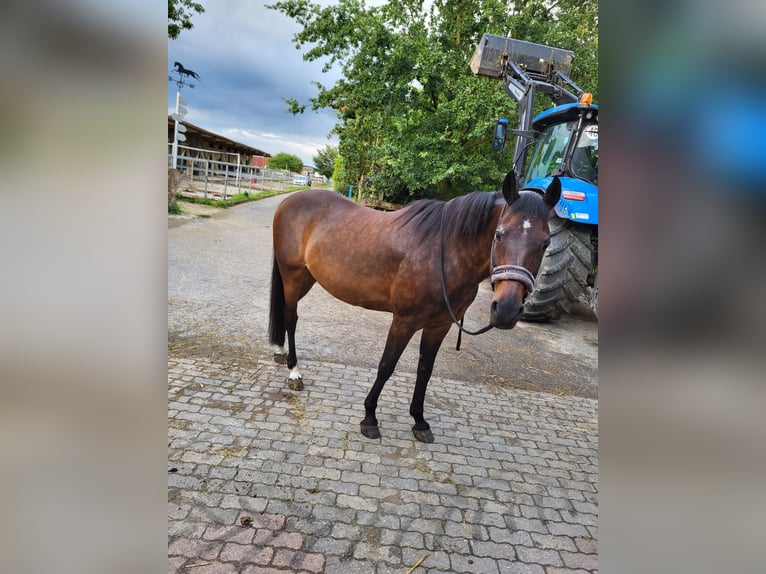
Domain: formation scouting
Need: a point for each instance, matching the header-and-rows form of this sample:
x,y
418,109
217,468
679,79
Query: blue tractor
x,y
559,141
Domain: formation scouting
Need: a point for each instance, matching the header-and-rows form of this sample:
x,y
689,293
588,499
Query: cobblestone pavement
x,y
262,479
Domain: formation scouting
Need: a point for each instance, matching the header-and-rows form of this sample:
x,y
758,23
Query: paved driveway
x,y
263,479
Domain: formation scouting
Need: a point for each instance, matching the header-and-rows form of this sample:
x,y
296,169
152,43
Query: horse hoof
x,y
423,435
370,431
295,384
280,358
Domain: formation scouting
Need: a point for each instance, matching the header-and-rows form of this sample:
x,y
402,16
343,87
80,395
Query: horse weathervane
x,y
181,71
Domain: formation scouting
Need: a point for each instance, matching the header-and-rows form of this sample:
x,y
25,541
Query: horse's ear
x,y
510,190
553,193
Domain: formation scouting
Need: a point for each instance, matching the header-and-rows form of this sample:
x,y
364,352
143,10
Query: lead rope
x,y
459,323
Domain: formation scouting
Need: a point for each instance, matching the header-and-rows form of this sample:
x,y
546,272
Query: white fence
x,y
205,177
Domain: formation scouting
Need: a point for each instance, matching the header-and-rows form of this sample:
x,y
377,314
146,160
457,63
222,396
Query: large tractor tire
x,y
563,274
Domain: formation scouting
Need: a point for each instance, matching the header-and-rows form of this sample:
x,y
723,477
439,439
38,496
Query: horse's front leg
x,y
429,346
399,335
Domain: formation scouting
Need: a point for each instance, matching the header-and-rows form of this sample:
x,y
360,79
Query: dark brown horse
x,y
422,263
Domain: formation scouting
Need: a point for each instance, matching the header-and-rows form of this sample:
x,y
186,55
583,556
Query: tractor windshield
x,y
549,151
585,157
552,146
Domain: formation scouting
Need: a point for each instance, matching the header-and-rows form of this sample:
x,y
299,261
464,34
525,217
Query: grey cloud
x,y
248,63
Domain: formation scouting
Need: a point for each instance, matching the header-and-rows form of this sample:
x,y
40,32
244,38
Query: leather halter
x,y
513,273
498,273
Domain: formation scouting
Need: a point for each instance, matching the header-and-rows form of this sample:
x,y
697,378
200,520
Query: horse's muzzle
x,y
508,305
505,313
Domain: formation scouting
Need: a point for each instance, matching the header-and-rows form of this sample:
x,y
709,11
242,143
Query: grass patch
x,y
174,209
240,197
232,200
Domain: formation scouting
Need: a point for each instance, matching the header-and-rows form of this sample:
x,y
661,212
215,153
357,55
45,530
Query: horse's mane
x,y
464,216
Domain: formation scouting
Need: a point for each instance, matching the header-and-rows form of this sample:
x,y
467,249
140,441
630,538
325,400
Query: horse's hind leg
x,y
430,342
398,336
294,292
277,327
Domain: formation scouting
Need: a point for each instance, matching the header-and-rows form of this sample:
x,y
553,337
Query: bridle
x,y
498,273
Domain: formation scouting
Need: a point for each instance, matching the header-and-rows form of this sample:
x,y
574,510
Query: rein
x,y
499,273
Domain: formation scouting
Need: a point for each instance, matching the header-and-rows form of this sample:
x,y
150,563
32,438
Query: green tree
x,y
284,160
569,24
338,175
179,16
413,121
324,160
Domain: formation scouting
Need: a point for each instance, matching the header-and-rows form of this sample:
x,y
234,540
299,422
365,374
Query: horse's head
x,y
521,239
177,65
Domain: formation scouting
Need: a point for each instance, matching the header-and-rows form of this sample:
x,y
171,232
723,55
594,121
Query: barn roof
x,y
214,140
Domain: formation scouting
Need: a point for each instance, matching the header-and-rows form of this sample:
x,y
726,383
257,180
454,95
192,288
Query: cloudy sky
x,y
247,62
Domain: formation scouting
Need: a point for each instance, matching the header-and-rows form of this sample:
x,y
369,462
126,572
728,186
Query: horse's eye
x,y
498,235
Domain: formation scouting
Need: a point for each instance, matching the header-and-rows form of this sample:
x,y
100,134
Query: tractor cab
x,y
566,145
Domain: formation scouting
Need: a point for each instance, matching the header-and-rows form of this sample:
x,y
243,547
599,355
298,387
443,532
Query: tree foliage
x,y
284,160
338,174
413,121
324,160
179,16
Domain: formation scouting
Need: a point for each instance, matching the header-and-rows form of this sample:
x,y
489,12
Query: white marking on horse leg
x,y
295,374
294,379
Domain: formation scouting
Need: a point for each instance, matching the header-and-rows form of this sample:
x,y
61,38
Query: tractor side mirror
x,y
498,141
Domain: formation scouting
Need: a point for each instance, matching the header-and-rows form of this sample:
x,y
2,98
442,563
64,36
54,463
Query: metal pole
x,y
175,130
206,171
526,109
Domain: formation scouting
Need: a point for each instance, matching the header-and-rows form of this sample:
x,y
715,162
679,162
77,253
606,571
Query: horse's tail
x,y
277,326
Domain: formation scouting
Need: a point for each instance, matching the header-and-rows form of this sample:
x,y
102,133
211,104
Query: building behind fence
x,y
209,178
211,165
